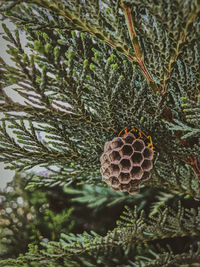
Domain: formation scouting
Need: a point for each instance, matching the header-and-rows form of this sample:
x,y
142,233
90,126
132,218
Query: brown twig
x,y
136,47
87,28
194,165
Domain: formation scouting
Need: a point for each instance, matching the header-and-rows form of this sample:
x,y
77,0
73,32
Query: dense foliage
x,y
88,70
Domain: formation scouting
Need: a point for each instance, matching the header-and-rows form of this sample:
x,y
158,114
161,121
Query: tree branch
x,y
135,44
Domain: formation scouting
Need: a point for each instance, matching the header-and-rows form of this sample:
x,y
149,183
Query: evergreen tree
x,y
96,68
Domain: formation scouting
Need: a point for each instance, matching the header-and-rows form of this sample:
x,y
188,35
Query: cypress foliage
x,y
95,68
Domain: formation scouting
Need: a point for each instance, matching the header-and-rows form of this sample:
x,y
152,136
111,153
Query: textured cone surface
x,y
125,163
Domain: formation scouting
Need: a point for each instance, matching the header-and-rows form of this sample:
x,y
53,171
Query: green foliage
x,y
133,228
94,68
69,92
27,217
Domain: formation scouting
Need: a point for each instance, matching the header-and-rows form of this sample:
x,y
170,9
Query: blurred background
x,y
5,174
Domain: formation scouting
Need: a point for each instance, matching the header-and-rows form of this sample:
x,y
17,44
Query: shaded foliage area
x,y
32,217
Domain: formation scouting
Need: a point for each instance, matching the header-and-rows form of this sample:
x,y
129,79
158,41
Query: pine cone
x,y
125,163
